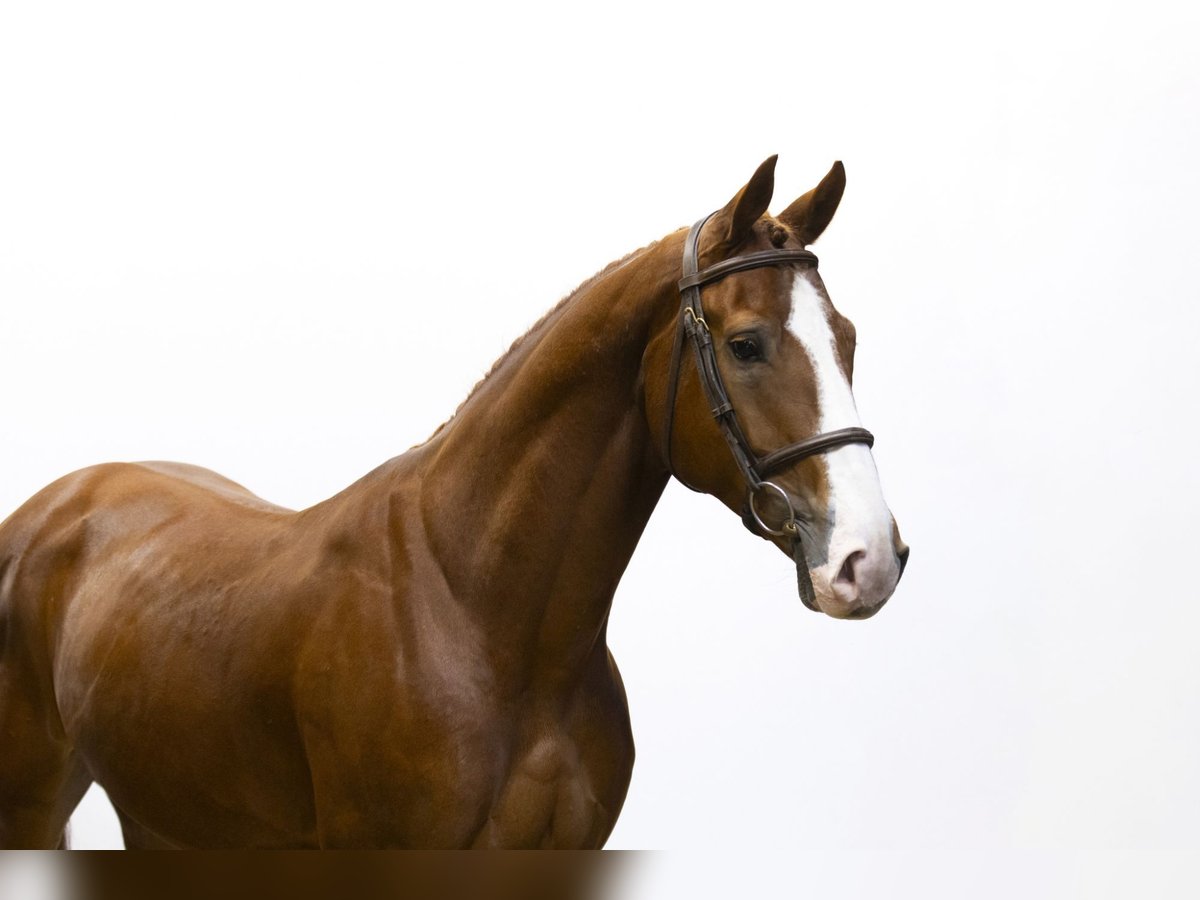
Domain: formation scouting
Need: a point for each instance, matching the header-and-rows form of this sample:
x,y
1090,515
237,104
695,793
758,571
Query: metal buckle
x,y
789,525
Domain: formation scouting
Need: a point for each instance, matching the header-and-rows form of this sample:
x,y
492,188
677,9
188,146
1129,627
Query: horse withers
x,y
421,660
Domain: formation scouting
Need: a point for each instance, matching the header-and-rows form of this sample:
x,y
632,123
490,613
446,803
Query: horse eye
x,y
745,348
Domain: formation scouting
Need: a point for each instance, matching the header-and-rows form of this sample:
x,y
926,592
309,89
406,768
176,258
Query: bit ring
x,y
789,526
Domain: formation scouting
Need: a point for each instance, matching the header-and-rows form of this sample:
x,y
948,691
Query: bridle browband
x,y
754,469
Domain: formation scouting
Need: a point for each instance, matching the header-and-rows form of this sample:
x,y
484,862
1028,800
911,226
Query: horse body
x,y
420,660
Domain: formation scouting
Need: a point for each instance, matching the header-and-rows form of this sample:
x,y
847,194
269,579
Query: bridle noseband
x,y
754,469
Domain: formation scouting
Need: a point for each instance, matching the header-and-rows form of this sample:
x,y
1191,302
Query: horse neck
x,y
539,488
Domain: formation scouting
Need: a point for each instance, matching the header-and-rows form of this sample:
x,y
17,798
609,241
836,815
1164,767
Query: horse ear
x,y
810,215
748,205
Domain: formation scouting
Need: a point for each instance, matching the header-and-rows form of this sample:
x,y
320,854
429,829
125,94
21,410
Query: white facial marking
x,y
810,325
862,522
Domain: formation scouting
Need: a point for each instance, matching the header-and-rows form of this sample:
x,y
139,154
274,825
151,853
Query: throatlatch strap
x,y
672,391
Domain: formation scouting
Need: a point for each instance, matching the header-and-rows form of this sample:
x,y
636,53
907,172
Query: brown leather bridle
x,y
754,469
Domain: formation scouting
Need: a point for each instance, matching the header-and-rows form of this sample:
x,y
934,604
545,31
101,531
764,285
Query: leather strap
x,y
672,391
821,443
719,270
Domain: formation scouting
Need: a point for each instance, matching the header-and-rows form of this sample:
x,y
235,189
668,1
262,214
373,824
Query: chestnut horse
x,y
421,660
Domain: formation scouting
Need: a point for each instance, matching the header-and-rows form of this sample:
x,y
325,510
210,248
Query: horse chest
x,y
569,767
561,790
448,766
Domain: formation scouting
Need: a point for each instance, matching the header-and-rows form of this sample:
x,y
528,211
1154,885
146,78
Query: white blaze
x,y
861,518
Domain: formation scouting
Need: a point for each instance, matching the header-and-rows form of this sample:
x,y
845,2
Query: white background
x,y
283,241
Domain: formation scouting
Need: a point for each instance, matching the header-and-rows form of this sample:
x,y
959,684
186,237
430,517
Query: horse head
x,y
760,412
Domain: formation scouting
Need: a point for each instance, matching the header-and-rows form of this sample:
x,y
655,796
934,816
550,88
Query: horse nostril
x,y
903,557
846,574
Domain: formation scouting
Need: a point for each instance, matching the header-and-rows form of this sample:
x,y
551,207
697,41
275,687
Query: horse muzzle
x,y
856,585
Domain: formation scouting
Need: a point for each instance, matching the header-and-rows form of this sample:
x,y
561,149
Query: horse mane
x,y
539,324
